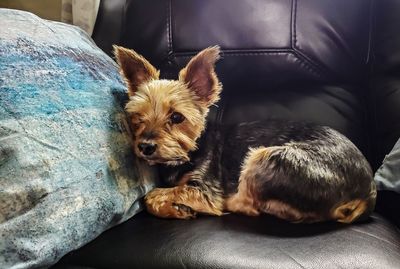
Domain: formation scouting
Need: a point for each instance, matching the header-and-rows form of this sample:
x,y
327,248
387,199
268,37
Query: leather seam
x,y
371,149
307,66
293,24
306,59
257,53
370,31
239,53
169,30
297,51
189,55
377,149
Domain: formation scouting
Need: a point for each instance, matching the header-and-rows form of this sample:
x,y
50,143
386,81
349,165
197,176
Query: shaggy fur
x,y
295,171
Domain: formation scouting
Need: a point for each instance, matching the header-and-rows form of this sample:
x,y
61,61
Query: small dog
x,y
295,171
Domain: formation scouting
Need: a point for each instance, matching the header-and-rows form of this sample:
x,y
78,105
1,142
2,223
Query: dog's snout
x,y
147,148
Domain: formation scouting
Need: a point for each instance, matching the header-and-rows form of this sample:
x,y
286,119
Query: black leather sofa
x,y
336,63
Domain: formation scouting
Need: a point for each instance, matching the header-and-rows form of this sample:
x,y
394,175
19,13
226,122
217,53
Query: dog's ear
x,y
200,76
134,68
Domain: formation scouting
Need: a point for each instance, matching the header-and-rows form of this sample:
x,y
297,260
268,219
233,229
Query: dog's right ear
x,y
134,68
199,75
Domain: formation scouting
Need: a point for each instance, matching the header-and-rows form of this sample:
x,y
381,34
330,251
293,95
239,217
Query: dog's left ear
x,y
135,68
200,76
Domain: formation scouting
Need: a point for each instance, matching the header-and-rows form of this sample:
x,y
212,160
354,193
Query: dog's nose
x,y
147,148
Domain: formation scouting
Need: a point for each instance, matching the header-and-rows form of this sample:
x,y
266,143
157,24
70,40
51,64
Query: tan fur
x,y
150,109
181,202
134,68
287,212
244,201
151,104
200,77
350,211
282,210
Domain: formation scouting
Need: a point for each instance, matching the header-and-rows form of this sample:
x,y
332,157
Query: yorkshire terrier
x,y
295,171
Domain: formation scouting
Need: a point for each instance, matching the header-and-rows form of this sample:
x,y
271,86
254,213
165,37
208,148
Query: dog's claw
x,y
184,208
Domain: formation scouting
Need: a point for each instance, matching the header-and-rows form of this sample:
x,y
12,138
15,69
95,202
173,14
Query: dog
x,y
295,171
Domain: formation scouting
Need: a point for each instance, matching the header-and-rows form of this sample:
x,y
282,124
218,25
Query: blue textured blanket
x,y
67,172
387,177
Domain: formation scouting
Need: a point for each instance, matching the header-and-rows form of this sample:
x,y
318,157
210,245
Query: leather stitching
x,y
293,22
169,30
297,51
189,55
250,52
307,63
308,67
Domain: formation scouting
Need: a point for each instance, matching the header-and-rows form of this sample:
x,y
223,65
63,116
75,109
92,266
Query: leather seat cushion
x,y
234,241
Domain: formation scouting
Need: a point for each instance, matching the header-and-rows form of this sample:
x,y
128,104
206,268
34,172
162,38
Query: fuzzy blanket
x,y
67,171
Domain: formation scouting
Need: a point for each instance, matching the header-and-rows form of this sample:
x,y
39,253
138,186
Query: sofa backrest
x,y
299,60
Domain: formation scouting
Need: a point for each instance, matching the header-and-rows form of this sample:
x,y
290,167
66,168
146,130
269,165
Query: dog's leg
x,y
356,209
350,211
182,202
257,168
244,200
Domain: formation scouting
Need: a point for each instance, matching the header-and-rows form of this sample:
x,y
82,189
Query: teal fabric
x,y
388,175
67,171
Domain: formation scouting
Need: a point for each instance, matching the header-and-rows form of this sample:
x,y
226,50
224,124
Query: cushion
x,y
67,171
234,241
387,179
388,175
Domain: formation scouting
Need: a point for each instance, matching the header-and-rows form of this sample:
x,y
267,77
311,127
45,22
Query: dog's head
x,y
168,116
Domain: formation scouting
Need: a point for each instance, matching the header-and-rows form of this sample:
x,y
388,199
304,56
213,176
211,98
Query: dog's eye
x,y
176,118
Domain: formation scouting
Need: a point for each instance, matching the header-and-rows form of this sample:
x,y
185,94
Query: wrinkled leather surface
x,y
241,242
332,62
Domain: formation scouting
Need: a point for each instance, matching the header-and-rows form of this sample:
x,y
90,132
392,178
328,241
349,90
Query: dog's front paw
x,y
160,202
184,211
